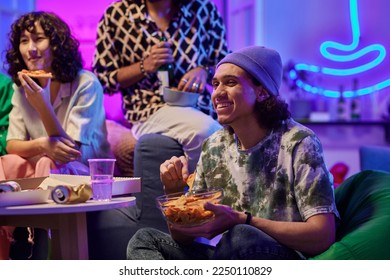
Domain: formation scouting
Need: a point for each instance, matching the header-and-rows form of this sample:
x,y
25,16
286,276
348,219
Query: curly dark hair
x,y
272,111
67,59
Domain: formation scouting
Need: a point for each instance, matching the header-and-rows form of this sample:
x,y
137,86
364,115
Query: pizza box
x,y
121,185
38,190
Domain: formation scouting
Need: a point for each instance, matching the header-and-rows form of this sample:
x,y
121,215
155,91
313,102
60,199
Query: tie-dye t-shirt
x,y
282,178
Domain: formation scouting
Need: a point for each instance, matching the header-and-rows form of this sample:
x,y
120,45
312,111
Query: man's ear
x,y
261,94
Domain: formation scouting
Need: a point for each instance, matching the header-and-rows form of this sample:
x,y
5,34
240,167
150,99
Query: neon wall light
x,y
344,53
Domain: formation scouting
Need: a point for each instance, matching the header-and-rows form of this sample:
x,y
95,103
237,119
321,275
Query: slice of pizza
x,y
37,73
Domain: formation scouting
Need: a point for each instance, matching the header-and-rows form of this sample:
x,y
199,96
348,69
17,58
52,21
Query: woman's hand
x,y
174,174
60,149
194,80
225,218
37,96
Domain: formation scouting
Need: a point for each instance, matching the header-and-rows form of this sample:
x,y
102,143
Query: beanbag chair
x,y
363,201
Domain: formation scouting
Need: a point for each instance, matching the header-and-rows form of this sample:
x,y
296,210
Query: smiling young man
x,y
279,200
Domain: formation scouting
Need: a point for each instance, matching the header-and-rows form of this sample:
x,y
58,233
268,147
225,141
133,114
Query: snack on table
x,y
187,210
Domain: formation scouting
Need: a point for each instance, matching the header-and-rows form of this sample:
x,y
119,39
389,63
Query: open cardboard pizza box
x,y
38,190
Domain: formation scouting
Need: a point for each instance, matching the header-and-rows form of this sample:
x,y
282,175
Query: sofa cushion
x,y
374,158
122,144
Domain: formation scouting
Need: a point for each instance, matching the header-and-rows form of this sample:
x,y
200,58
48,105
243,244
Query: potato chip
x,y
190,180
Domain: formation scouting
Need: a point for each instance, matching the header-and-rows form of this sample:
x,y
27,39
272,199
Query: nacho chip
x,y
190,180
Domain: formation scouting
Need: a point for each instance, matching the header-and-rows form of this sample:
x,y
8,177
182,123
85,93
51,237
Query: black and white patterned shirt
x,y
126,34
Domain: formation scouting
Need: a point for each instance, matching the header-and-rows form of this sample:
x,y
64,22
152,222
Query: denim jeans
x,y
241,242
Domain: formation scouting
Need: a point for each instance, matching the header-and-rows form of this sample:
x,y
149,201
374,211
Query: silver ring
x,y
184,80
195,85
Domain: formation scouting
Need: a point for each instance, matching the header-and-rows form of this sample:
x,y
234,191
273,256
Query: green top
x,y
282,178
6,92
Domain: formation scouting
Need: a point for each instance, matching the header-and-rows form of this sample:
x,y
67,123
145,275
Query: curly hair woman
x,y
66,58
56,124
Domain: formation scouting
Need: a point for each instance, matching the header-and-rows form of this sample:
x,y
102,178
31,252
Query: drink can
x,y
64,194
10,186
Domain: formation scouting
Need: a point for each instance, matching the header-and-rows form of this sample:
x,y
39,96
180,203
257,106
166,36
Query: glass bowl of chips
x,y
186,209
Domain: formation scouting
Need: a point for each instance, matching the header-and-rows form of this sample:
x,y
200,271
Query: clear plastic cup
x,y
102,177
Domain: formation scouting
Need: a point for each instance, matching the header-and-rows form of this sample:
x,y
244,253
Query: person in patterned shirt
x,y
278,193
129,52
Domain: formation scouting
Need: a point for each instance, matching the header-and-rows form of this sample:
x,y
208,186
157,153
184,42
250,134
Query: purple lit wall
x,y
83,17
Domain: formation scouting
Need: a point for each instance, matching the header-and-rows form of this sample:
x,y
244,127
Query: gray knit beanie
x,y
264,64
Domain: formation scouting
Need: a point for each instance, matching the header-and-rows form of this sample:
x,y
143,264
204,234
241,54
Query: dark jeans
x,y
241,242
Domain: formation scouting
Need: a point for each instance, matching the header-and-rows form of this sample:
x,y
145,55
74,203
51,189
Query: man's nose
x,y
218,91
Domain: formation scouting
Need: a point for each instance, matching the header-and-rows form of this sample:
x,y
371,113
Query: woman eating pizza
x,y
58,119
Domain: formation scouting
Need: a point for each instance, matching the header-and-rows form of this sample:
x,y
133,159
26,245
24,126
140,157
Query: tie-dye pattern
x,y
283,177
